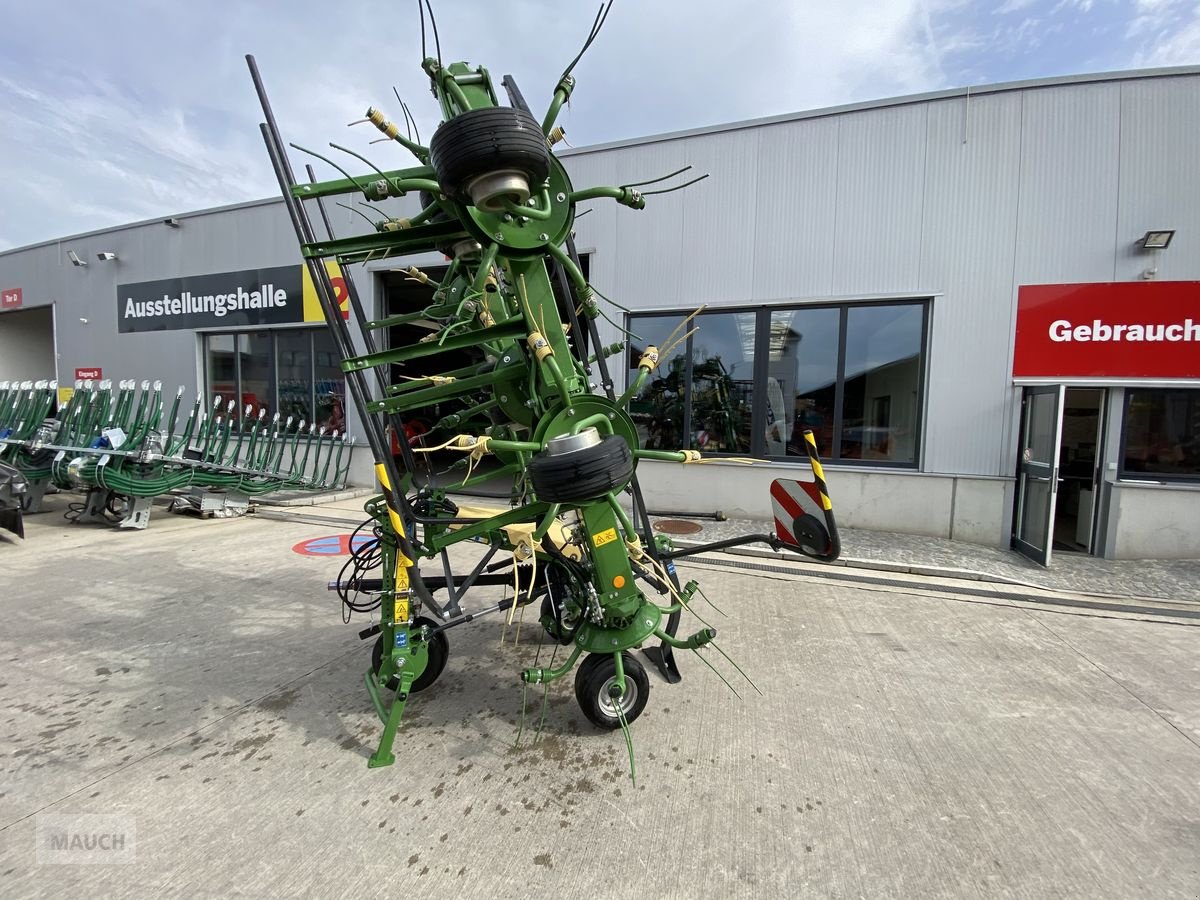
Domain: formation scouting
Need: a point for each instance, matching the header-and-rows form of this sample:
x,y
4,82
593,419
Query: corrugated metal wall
x,y
960,199
957,198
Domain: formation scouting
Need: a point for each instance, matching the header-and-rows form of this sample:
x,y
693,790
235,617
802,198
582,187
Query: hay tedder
x,y
496,201
122,448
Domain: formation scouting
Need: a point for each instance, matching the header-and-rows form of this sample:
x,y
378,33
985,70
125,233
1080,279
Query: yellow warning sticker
x,y
604,537
401,611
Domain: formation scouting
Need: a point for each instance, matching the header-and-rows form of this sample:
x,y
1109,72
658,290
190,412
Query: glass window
x,y
753,381
330,383
222,367
658,410
882,383
802,366
722,382
295,374
1162,433
258,372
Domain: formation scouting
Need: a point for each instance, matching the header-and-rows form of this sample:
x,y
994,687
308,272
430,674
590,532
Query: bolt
x,y
531,202
649,623
508,359
570,412
499,235
543,236
503,398
560,196
614,642
508,217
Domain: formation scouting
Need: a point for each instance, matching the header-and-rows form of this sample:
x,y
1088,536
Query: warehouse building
x,y
984,303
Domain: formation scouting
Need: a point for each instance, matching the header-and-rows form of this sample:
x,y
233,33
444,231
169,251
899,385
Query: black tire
x,y
592,681
584,474
426,199
491,139
439,652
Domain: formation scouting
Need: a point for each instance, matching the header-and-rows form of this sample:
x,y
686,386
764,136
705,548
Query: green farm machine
x,y
498,203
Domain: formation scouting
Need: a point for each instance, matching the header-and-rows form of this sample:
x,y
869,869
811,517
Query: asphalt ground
x,y
194,684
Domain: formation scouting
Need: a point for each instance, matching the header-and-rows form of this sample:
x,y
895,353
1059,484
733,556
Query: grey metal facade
x,y
960,197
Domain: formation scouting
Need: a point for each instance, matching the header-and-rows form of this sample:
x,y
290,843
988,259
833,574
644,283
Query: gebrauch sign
x,y
1134,329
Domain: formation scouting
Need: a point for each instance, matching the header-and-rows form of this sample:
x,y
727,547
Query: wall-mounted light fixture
x,y
171,223
1157,240
106,256
74,258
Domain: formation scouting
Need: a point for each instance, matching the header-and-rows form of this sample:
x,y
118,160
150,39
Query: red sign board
x,y
10,298
86,374
1130,329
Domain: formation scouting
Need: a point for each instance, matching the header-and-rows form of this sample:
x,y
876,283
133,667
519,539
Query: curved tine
x,y
657,180
437,41
404,111
359,156
678,187
597,24
325,159
412,118
353,210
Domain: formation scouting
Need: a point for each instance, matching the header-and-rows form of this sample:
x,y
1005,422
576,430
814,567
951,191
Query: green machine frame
x,y
501,207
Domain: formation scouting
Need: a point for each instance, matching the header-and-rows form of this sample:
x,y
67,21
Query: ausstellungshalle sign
x,y
271,296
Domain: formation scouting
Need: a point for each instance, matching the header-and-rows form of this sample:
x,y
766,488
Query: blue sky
x,y
117,112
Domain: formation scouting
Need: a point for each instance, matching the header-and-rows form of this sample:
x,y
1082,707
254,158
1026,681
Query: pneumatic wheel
x,y
582,475
597,677
489,140
439,652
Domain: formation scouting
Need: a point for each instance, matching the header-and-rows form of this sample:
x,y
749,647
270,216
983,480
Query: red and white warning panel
x,y
799,517
803,511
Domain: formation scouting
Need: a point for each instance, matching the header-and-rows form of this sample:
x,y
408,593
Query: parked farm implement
x,y
121,450
497,202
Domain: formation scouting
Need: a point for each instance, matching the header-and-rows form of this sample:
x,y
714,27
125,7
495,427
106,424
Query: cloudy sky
x,y
113,112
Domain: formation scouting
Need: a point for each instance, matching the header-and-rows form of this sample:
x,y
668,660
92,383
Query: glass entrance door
x,y
1037,471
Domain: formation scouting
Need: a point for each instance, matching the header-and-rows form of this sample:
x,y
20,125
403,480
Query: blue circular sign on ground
x,y
332,545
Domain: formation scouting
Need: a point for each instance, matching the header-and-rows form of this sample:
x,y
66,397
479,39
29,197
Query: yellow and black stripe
x,y
814,460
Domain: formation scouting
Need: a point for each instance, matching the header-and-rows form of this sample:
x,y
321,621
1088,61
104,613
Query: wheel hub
x,y
617,706
488,192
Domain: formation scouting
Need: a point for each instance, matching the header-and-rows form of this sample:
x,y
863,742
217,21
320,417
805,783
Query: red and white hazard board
x,y
800,516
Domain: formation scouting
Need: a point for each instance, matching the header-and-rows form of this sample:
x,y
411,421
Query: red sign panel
x,y
1131,329
86,374
10,298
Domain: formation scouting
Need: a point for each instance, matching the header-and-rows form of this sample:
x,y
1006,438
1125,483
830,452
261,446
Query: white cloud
x,y
121,111
1012,6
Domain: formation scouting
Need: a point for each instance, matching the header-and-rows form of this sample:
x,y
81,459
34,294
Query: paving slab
x,y
196,681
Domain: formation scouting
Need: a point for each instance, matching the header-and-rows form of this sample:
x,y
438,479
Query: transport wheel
x,y
490,154
439,652
579,475
593,681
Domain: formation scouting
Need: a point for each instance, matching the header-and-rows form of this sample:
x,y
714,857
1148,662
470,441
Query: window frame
x,y
1134,477
762,326
273,333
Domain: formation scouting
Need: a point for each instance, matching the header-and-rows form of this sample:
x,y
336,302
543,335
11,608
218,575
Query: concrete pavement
x,y
195,679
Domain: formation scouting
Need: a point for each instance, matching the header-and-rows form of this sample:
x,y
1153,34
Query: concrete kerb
x,y
929,571
301,498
